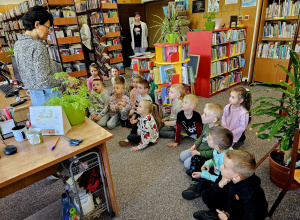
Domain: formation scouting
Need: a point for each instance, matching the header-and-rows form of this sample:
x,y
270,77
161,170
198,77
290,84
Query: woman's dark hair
x,y
36,13
137,13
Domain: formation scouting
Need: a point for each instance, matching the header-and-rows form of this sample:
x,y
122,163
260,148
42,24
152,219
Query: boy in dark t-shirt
x,y
188,120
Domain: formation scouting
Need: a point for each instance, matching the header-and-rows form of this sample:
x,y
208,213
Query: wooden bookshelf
x,y
114,47
78,73
113,34
69,40
116,60
267,69
71,58
64,21
111,20
109,6
60,2
211,81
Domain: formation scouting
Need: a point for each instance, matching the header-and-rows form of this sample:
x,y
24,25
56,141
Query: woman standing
x,y
139,34
35,66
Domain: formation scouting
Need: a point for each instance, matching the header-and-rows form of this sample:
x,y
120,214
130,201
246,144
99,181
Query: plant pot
x,y
75,116
209,25
171,38
278,173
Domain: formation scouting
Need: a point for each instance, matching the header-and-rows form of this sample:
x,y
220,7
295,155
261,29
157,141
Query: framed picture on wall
x,y
198,6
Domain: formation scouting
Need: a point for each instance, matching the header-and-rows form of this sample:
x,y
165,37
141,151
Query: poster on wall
x,y
213,5
229,2
198,6
248,3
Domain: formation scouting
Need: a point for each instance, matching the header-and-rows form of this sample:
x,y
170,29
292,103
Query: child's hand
x,y
163,120
223,182
120,106
131,113
222,214
193,147
195,152
122,103
139,133
93,116
205,167
133,149
173,144
97,118
132,119
196,175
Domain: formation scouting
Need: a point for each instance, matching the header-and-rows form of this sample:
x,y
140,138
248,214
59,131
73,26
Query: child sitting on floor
x,y
235,116
147,131
100,98
237,193
133,93
115,74
189,119
220,140
94,70
175,94
119,104
212,115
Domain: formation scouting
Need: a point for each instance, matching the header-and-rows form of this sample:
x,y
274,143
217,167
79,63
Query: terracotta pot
x,y
279,174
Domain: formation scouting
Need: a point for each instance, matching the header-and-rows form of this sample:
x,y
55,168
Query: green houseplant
x,y
209,24
169,29
74,100
284,119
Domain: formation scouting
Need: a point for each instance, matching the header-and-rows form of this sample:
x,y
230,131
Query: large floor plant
x,y
280,126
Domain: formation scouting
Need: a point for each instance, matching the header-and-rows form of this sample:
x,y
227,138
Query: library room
x,y
149,109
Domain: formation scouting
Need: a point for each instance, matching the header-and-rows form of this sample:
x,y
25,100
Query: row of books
x,y
2,40
115,54
93,4
81,7
64,51
66,12
5,49
237,48
217,84
218,52
218,68
275,50
76,66
279,30
144,64
112,42
235,62
89,5
60,32
185,54
235,77
1,32
228,36
168,51
12,36
161,96
110,14
112,28
104,68
96,17
283,9
164,74
120,66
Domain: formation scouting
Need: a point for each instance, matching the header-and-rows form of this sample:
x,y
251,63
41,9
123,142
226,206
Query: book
x,y
169,74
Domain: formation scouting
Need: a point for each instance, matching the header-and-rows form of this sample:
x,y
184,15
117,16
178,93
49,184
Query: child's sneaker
x,y
125,143
191,192
205,215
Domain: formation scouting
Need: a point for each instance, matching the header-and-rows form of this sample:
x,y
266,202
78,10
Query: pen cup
x,y
34,136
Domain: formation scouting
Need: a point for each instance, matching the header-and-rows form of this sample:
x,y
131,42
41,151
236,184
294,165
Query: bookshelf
x,y
277,29
171,68
103,20
221,59
142,65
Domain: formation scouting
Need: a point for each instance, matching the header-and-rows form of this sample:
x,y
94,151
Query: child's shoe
x,y
191,192
205,215
125,143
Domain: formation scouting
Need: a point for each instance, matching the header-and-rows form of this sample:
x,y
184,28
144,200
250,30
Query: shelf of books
x,y
170,68
277,30
221,59
141,64
65,46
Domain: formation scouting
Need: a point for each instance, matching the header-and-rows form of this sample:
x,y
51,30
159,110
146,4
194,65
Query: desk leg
x,y
102,150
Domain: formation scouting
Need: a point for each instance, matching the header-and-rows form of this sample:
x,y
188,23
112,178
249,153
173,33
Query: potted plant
x,y
209,24
74,100
169,29
280,126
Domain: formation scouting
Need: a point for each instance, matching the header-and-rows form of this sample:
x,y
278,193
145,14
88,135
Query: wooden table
x,y
34,163
20,110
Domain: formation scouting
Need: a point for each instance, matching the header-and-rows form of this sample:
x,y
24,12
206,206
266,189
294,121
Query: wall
x,y
225,11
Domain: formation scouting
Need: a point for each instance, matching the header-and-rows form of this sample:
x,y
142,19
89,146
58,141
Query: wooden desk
x,y
20,110
33,163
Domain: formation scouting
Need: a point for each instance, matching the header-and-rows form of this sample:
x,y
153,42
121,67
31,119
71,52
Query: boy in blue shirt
x,y
220,139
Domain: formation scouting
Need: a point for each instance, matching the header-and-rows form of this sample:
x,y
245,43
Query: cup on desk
x,y
34,136
19,133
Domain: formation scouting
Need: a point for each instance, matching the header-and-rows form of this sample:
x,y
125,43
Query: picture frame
x,y
198,6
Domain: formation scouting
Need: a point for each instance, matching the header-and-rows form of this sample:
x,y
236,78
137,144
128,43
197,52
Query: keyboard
x,y
8,90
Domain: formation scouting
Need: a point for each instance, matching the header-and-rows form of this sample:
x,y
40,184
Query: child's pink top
x,y
133,96
90,82
236,120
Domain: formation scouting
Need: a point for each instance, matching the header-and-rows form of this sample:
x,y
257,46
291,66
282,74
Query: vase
x,y
75,116
209,25
171,38
279,174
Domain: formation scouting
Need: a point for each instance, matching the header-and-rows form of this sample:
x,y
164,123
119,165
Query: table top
x,y
31,159
7,101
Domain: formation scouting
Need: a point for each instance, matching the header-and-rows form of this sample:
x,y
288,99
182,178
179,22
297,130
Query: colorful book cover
x,y
165,95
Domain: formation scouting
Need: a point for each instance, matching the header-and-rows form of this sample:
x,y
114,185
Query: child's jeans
x,y
167,132
115,119
185,157
40,96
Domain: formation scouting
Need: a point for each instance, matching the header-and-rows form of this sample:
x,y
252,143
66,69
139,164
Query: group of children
x,y
224,178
